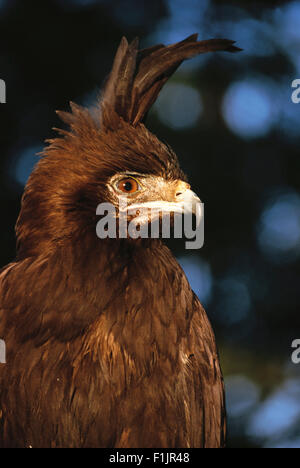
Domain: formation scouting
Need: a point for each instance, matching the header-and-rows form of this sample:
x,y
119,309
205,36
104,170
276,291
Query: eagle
x,y
106,344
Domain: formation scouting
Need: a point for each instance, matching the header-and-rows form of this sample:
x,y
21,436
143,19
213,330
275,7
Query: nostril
x,y
178,193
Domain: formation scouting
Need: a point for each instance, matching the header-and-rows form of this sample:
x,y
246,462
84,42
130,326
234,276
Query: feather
x,y
137,77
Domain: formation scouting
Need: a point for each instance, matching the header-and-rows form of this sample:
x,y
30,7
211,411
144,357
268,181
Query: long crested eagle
x,y
106,343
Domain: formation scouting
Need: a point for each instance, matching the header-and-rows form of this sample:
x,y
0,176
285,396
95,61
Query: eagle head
x,y
109,156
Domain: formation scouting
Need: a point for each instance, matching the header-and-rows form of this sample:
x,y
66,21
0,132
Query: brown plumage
x,y
107,345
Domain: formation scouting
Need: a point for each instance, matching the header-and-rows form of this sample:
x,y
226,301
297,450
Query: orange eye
x,y
128,185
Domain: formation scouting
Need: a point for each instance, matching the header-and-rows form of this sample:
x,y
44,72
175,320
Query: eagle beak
x,y
189,203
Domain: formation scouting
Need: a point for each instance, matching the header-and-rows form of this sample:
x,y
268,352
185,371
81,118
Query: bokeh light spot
x,y
24,163
290,21
241,395
199,275
278,412
234,300
179,106
248,109
252,37
279,227
181,22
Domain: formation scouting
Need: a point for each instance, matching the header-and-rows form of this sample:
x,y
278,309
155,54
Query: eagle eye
x,y
128,185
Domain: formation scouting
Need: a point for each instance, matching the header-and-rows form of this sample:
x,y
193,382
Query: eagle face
x,y
147,183
144,198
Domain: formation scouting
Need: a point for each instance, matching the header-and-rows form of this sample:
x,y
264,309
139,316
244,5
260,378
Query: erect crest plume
x,y
138,76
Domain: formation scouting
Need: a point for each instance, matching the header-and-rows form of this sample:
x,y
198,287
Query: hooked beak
x,y
190,203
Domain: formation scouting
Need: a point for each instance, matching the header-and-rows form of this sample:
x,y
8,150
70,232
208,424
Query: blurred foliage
x,y
60,50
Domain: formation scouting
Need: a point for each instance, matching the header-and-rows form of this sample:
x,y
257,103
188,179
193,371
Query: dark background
x,y
231,121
